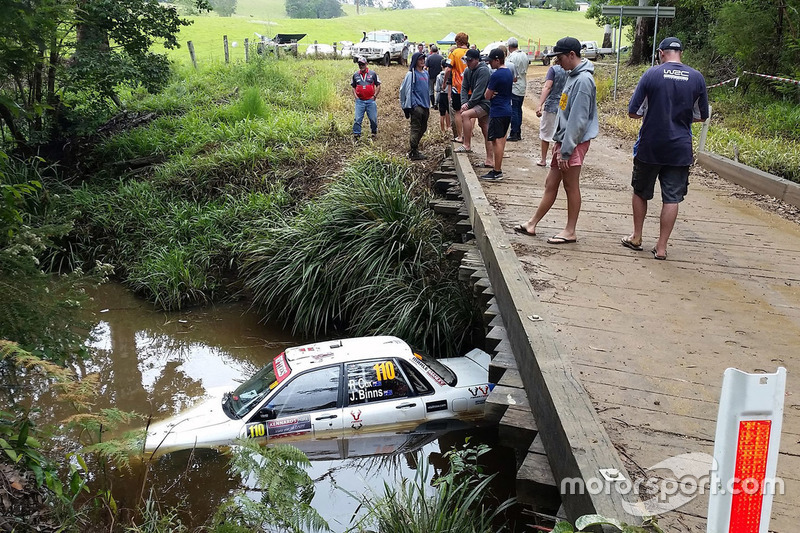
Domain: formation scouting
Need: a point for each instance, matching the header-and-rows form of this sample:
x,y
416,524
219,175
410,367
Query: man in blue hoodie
x,y
415,103
577,126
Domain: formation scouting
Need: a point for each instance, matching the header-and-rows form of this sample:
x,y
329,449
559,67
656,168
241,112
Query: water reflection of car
x,y
333,390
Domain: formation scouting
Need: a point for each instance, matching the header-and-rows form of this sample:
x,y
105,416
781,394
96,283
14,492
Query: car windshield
x,y
238,403
378,37
441,370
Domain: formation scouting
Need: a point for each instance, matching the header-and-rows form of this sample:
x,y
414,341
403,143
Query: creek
x,y
158,364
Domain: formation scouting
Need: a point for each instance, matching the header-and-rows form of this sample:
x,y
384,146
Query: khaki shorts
x,y
547,126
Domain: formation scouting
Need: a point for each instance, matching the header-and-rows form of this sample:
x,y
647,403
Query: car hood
x,y
204,425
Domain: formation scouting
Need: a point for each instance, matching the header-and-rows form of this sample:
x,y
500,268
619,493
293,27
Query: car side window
x,y
375,381
311,391
419,383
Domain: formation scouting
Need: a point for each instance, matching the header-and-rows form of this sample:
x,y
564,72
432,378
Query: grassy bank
x,y
254,164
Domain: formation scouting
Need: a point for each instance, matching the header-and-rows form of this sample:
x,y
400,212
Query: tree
x,y
402,4
313,9
458,3
563,5
508,7
57,48
224,8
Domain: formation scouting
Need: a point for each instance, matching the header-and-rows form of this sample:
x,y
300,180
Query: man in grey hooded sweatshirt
x,y
577,126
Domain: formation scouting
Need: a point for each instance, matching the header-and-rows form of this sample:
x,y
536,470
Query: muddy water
x,y
157,364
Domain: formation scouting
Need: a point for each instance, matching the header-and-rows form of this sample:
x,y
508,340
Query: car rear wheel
x,y
386,59
545,61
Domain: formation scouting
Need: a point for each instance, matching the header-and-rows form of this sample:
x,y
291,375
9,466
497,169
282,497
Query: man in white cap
x,y
669,97
366,87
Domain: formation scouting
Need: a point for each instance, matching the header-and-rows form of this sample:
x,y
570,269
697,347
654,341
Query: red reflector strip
x,y
751,470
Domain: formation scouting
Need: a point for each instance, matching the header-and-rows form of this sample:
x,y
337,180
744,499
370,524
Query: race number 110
x,y
384,370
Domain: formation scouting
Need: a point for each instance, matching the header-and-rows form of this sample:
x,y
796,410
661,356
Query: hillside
x,y
268,17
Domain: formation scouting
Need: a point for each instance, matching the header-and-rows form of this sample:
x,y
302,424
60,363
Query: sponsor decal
x,y
428,370
676,74
480,391
357,422
285,427
281,367
439,405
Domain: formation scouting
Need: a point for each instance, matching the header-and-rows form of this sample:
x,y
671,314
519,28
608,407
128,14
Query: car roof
x,y
301,358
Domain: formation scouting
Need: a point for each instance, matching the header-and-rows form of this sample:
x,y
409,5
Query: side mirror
x,y
267,413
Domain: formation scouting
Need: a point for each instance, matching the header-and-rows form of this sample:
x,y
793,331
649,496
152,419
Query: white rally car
x,y
333,390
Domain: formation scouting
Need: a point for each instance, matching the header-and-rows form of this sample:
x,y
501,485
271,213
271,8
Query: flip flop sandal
x,y
659,257
627,243
519,228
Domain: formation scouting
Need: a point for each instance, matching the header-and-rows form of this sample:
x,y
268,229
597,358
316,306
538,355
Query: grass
x,y
365,258
483,27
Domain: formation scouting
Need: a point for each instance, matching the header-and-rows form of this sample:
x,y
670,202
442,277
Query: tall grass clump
x,y
366,258
456,501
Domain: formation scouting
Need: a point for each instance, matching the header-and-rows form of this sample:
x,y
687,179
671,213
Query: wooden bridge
x,y
608,362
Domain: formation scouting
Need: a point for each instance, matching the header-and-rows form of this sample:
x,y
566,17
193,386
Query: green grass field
x,y
268,17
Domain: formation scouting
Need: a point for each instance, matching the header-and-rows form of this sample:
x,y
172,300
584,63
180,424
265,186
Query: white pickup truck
x,y
381,45
590,50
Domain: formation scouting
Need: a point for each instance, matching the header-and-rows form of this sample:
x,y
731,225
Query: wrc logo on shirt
x,y
676,74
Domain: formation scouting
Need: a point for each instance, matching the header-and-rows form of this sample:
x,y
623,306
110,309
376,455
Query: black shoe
x,y
374,136
417,156
493,175
514,138
436,108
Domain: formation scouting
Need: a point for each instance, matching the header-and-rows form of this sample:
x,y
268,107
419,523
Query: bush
x,y
366,258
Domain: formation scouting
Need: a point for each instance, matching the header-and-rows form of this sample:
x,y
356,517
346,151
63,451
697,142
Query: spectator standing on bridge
x,y
442,100
669,97
548,108
498,92
415,102
434,65
577,126
520,60
456,73
366,87
476,105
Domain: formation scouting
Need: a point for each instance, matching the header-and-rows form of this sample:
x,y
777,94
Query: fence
x,y
211,51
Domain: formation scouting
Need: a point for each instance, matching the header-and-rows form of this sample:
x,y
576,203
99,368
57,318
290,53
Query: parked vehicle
x,y
381,45
319,50
590,50
332,390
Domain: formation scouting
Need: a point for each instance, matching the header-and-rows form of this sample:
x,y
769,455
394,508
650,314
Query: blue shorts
x,y
674,181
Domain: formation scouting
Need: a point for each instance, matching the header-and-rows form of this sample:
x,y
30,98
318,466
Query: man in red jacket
x,y
366,87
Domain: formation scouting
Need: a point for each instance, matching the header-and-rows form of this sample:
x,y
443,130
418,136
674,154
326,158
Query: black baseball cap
x,y
496,54
472,54
671,43
565,46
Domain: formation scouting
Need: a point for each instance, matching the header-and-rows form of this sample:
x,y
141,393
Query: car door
x,y
307,405
377,396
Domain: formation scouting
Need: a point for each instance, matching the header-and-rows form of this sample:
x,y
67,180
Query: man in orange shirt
x,y
456,72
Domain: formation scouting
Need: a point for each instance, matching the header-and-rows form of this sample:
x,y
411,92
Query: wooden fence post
x,y
247,50
335,55
190,44
225,44
294,48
